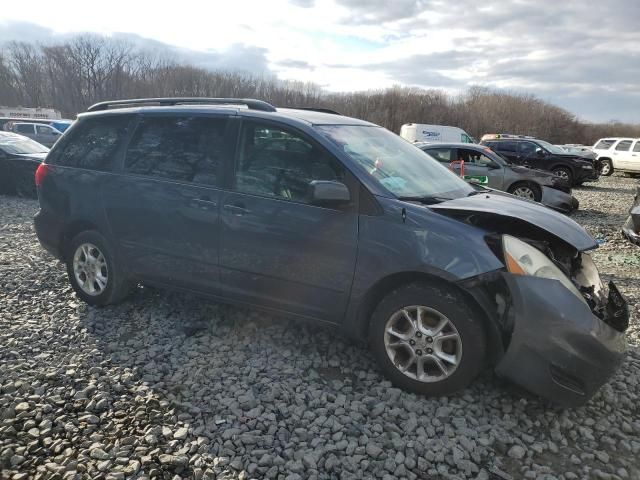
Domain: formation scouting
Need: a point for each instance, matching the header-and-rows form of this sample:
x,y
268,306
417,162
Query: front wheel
x,y
607,167
427,340
563,173
525,190
93,271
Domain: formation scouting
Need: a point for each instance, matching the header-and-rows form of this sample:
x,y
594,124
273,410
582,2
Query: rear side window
x,y
624,146
22,128
93,143
505,146
604,144
187,149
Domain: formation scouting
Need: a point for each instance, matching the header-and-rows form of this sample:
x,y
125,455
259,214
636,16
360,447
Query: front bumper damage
x,y
559,348
558,200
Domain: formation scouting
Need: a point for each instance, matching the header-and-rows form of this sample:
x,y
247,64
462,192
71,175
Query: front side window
x,y
401,168
24,128
624,146
473,157
636,147
527,149
43,130
276,162
93,143
188,149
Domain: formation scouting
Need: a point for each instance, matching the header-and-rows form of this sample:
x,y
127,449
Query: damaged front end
x,y
560,347
561,330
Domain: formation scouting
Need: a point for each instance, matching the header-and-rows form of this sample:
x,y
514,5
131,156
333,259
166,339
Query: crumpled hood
x,y
541,217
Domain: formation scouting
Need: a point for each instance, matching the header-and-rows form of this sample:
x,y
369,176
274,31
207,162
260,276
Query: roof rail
x,y
314,109
249,102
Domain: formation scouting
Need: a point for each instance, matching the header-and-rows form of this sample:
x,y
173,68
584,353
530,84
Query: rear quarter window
x,y
92,144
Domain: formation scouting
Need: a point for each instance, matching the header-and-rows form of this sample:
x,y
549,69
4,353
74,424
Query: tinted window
x,y
275,162
527,149
624,146
22,128
92,143
188,149
636,148
604,144
441,154
505,146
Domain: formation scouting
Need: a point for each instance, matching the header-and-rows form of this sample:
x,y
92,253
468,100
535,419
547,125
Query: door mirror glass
x,y
328,193
540,152
493,165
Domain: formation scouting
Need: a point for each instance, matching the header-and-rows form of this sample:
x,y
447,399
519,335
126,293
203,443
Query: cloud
x,y
303,3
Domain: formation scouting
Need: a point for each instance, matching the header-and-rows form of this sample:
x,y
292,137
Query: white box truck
x,y
420,132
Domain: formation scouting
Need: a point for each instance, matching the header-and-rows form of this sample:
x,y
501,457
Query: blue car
x,y
331,219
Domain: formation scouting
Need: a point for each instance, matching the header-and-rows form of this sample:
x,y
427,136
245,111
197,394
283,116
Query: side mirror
x,y
493,166
328,193
540,152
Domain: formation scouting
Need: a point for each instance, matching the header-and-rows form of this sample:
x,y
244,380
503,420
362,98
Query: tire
x,y
116,285
607,167
565,173
438,304
526,190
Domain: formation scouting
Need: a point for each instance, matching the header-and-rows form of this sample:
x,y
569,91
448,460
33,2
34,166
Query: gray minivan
x,y
331,219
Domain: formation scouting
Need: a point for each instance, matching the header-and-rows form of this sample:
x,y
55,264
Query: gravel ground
x,y
171,386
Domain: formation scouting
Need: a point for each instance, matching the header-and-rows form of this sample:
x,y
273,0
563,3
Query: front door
x,y
276,249
476,168
164,207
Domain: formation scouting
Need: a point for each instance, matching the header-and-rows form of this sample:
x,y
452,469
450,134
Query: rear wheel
x,y
93,271
526,190
426,339
607,167
564,173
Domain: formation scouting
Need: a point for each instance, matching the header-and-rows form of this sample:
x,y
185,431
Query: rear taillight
x,y
41,172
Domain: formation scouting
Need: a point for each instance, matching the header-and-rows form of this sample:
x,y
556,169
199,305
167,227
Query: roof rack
x,y
497,136
249,102
321,110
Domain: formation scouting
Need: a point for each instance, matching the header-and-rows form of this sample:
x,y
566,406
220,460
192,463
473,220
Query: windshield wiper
x,y
426,199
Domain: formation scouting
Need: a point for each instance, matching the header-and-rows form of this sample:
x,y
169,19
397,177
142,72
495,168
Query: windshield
x,y
21,146
404,170
551,148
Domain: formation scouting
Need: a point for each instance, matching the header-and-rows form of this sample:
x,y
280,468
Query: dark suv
x,y
336,220
535,153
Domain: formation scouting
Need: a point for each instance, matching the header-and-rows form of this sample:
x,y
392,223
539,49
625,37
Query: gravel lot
x,y
171,386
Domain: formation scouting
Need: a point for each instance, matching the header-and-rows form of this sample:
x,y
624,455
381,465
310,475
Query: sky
x,y
583,56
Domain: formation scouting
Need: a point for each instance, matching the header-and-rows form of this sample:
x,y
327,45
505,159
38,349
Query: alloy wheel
x,y
524,192
423,343
90,269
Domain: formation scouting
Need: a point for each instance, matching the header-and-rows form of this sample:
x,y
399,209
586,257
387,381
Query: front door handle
x,y
203,203
237,209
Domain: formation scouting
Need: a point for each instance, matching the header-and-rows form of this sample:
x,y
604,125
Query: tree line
x,y
73,75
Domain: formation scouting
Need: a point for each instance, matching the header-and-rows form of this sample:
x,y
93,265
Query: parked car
x,y
19,159
342,223
61,125
631,227
535,153
420,132
615,153
43,134
490,169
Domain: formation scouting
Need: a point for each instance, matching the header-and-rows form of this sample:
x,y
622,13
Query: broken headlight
x,y
523,259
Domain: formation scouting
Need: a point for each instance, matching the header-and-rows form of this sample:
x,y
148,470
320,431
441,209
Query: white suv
x,y
618,153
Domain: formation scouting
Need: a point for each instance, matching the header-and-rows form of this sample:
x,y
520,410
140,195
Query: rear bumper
x,y
558,200
49,232
559,349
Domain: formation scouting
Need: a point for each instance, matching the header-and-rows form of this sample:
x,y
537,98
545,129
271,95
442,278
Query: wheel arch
x,y
527,182
359,326
74,228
